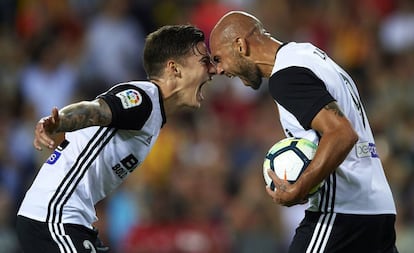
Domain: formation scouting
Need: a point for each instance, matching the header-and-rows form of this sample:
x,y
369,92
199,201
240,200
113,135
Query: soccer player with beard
x,y
317,100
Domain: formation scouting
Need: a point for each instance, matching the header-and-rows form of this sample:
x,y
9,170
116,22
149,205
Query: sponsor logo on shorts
x,y
129,98
366,149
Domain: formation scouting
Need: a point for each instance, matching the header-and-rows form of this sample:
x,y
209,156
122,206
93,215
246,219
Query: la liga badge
x,y
129,98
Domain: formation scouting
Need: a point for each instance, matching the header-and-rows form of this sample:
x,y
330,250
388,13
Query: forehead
x,y
220,49
200,49
197,53
214,45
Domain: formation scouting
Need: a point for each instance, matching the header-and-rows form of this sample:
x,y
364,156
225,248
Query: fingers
x,y
276,180
36,144
45,129
280,184
55,115
282,194
42,137
270,191
51,122
274,194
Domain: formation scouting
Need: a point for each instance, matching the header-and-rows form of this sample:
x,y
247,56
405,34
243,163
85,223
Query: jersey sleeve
x,y
300,92
130,106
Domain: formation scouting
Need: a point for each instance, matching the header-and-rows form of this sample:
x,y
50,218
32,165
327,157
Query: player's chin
x,y
198,98
254,84
197,103
194,104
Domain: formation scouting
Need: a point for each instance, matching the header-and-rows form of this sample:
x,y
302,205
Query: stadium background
x,y
201,189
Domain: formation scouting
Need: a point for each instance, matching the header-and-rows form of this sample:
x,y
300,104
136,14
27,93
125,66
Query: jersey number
x,y
88,245
355,97
349,86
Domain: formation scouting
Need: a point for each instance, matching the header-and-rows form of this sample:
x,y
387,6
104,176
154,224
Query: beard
x,y
250,73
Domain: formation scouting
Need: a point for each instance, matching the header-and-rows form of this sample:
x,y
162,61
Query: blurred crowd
x,y
201,190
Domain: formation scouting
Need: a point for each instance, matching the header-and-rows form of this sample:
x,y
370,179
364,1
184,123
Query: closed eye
x,y
216,59
205,60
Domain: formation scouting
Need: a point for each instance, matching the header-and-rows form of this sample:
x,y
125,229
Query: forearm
x,y
83,114
332,150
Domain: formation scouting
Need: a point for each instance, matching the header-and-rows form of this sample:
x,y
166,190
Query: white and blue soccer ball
x,y
288,158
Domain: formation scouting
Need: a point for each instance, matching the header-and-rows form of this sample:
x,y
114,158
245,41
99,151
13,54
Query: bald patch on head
x,y
232,25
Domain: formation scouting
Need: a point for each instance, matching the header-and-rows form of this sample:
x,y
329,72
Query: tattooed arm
x,y
337,139
50,130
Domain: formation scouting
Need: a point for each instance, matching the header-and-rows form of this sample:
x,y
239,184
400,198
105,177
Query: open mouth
x,y
229,75
199,94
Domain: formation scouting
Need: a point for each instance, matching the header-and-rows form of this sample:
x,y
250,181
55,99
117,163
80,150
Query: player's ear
x,y
241,46
173,68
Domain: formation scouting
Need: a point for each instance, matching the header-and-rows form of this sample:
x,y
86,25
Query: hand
x,y
285,194
45,131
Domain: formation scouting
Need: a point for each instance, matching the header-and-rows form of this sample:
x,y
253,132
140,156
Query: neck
x,y
267,57
167,92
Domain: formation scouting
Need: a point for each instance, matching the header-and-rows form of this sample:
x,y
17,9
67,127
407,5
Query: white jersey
x,y
93,161
304,79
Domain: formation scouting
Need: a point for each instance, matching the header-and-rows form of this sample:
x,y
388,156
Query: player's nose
x,y
212,69
219,70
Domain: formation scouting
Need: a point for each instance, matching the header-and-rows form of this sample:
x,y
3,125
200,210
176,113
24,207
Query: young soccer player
x,y
107,139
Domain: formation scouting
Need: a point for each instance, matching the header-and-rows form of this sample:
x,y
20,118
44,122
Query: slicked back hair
x,y
169,42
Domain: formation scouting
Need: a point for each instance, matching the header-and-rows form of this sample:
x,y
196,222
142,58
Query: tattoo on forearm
x,y
334,107
82,115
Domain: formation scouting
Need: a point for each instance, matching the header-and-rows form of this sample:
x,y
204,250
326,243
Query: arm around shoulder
x,y
84,114
49,131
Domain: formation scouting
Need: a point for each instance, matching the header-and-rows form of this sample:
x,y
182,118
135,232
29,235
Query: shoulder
x,y
134,88
129,95
144,85
131,104
295,54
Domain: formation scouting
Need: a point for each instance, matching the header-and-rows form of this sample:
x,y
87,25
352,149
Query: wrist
x,y
303,189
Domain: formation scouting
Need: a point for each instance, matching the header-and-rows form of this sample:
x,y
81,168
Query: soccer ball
x,y
288,158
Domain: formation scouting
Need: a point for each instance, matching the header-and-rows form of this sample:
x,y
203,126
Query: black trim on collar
x,y
283,44
161,98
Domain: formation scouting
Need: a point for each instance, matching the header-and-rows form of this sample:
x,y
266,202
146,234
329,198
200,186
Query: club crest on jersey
x,y
129,98
53,157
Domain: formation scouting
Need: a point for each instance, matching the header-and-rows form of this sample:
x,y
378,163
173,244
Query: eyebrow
x,y
205,57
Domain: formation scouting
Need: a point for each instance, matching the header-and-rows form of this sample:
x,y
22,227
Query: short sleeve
x,y
130,106
300,92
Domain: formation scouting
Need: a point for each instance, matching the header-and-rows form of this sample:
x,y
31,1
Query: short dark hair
x,y
169,42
